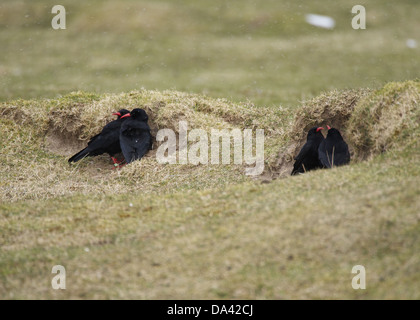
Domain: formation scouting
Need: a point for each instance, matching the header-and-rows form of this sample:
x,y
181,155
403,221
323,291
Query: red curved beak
x,y
328,127
116,114
125,116
319,129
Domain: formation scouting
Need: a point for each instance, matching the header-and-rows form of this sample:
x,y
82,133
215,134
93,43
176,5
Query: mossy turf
x,y
154,231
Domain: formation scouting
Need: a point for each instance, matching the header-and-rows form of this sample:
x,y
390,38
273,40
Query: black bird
x,y
108,141
333,151
135,136
307,159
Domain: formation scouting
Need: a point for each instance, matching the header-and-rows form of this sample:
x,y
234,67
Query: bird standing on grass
x,y
107,141
307,159
135,136
333,151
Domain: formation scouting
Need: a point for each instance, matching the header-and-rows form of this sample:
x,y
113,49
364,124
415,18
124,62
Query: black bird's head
x,y
121,113
139,114
315,132
334,133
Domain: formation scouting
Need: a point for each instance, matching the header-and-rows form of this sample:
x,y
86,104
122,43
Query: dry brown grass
x,y
387,119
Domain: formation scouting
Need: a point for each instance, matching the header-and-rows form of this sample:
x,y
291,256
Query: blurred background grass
x,y
292,238
258,50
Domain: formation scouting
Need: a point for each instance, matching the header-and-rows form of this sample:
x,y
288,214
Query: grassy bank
x,y
156,232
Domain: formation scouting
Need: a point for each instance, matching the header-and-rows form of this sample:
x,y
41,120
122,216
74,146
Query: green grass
x,y
293,238
261,51
155,231
151,231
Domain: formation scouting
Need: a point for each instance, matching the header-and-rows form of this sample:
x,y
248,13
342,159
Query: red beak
x,y
116,114
319,129
125,116
328,127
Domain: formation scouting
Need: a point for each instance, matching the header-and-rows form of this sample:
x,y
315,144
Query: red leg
x,y
117,164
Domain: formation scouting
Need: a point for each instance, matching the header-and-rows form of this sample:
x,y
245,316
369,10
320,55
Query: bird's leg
x,y
117,164
115,161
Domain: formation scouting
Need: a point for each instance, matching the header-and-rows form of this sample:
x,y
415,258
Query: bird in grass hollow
x,y
135,136
333,151
107,141
307,159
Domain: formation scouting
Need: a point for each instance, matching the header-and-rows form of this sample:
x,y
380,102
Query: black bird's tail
x,y
80,155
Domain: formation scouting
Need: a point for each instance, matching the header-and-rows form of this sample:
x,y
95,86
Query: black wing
x,y
323,156
103,141
135,140
297,167
342,154
100,143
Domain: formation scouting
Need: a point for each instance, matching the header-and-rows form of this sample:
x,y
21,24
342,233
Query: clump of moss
x,y
333,108
386,119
